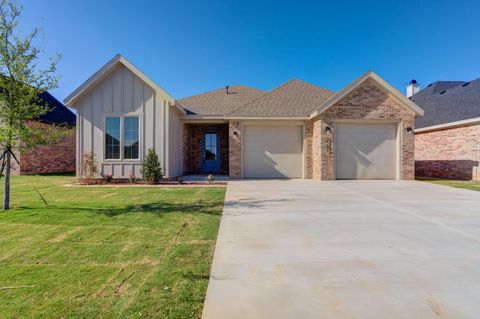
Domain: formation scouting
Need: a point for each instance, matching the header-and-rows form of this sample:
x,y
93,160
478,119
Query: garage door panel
x,y
272,152
365,151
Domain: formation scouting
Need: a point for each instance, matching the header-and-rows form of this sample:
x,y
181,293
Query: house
x,y
447,138
297,130
50,158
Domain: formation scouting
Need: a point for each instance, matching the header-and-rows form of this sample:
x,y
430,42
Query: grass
x,y
472,185
99,252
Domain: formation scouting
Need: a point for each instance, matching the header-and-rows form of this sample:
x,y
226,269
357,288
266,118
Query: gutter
x,y
450,125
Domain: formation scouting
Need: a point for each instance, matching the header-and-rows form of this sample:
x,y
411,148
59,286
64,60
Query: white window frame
x,y
122,125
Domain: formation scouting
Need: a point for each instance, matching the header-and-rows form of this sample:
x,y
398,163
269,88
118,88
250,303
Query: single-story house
x,y
447,138
297,130
59,157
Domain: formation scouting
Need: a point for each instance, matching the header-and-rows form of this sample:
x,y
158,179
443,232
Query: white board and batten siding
x,y
122,93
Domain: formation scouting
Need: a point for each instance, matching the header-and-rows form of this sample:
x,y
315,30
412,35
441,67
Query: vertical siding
x,y
176,143
159,129
149,118
127,91
120,93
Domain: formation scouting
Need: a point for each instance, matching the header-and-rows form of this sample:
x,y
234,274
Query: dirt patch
x,y
435,306
64,235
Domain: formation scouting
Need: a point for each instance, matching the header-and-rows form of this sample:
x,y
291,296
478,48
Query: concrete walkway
x,y
346,249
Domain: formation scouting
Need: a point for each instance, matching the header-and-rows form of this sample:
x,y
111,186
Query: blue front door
x,y
211,158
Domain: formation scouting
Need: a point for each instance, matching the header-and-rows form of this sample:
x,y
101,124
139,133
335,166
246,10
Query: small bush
x,y
108,178
88,168
179,179
132,178
210,178
151,169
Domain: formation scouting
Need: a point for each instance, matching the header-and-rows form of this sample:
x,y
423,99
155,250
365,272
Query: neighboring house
x,y
297,130
447,138
50,158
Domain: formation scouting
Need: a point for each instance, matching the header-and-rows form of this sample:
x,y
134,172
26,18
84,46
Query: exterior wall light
x,y
410,130
328,129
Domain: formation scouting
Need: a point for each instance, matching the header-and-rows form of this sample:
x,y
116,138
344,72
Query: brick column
x,y
235,149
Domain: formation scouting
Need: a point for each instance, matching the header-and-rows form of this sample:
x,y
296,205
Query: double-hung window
x,y
122,137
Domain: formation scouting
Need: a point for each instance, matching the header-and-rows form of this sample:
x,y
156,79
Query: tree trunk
x,y
6,199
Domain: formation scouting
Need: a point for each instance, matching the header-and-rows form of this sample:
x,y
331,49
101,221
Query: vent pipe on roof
x,y
412,88
226,89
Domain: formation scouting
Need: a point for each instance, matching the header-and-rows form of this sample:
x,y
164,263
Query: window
x,y
122,132
130,138
210,146
112,138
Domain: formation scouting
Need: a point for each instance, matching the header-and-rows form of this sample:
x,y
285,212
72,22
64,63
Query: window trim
x,y
122,125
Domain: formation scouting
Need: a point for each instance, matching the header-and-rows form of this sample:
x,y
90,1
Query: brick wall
x,y
52,158
235,151
367,102
451,153
193,147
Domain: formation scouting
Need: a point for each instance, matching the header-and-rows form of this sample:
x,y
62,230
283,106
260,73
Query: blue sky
x,y
190,47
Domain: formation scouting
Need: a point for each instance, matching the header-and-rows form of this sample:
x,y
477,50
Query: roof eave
x,y
449,125
233,117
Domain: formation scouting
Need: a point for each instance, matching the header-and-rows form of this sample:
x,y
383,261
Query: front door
x,y
211,160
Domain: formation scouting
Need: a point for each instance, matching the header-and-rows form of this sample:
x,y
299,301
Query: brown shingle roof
x,y
293,98
218,102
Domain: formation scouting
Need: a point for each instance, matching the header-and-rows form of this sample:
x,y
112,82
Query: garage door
x,y
365,151
272,152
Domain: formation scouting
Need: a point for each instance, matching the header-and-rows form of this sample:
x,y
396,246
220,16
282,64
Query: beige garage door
x,y
365,151
272,151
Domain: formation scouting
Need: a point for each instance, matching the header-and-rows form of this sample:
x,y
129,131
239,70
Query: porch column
x,y
234,149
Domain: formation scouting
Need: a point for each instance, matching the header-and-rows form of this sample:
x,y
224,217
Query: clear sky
x,y
189,47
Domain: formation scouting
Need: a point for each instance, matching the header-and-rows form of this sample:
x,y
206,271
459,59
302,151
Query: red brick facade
x,y
193,147
52,158
366,102
450,153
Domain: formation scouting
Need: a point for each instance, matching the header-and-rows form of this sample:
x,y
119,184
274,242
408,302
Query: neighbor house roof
x,y
448,101
219,102
58,113
294,98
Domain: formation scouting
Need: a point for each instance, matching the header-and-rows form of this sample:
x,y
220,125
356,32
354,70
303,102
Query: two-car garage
x,y
363,150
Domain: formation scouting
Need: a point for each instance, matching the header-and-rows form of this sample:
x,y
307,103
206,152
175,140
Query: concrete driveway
x,y
346,249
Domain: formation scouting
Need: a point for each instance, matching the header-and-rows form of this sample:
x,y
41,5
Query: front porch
x,y
205,149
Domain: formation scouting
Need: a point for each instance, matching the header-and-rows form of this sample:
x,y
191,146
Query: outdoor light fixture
x,y
328,129
409,130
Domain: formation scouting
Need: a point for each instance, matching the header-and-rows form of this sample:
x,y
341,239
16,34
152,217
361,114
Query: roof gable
x,y
294,98
381,83
98,76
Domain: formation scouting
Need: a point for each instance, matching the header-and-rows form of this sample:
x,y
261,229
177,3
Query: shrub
x,y
132,178
88,168
108,178
210,178
151,169
179,179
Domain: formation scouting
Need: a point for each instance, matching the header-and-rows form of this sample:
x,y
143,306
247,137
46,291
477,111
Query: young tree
x,y
151,168
21,81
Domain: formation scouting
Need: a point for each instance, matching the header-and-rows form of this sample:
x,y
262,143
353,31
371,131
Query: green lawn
x,y
472,185
98,252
